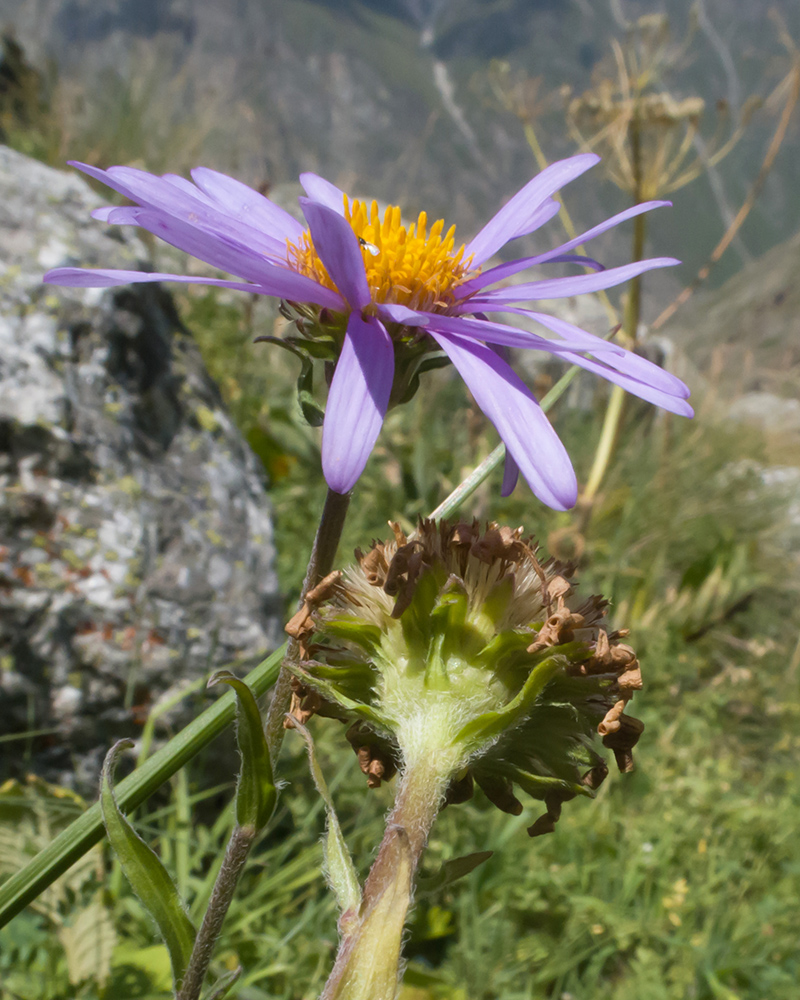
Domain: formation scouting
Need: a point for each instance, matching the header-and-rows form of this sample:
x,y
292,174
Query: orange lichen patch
x,y
413,266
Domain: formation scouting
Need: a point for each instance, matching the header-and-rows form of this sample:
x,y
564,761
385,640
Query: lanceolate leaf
x,y
256,794
338,863
147,876
537,785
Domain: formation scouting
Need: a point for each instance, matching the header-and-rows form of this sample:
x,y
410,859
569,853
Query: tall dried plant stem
x,y
633,310
747,205
566,220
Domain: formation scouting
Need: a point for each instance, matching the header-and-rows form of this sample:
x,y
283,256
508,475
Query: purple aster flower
x,y
385,296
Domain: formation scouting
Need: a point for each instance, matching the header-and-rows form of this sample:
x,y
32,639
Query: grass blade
x,y
87,830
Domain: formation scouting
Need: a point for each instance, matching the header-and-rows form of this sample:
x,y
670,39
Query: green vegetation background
x,y
680,882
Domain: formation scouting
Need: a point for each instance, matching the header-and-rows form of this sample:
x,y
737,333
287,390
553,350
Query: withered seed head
x,y
458,645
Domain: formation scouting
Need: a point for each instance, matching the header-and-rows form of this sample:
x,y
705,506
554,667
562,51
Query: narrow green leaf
x,y
292,346
451,871
222,986
539,785
147,876
324,349
356,630
312,411
87,830
491,724
256,794
338,863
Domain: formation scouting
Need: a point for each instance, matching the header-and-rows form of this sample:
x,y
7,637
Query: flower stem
x,y
368,963
326,541
241,841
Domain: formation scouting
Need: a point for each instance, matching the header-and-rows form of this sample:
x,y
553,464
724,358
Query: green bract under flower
x,y
459,647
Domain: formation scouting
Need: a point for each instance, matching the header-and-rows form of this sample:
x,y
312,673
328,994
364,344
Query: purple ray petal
x,y
511,406
246,204
527,204
357,401
207,237
641,371
500,333
510,476
642,389
514,266
283,284
339,250
523,225
102,214
185,203
391,312
222,252
563,288
186,186
81,277
575,258
510,467
644,378
625,361
323,192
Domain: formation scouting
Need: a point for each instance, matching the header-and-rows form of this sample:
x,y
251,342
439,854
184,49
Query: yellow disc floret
x,y
413,267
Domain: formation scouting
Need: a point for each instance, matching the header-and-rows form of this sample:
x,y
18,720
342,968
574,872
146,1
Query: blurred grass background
x,y
679,882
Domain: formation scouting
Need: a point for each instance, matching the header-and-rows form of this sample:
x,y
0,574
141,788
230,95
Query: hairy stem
x,y
368,962
320,563
241,841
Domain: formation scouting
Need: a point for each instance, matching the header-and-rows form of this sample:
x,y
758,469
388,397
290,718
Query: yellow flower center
x,y
410,267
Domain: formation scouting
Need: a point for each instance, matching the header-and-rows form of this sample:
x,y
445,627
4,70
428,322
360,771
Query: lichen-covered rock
x,y
136,548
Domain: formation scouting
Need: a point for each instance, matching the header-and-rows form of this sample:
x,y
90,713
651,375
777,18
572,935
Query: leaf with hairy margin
x,y
145,872
338,863
256,794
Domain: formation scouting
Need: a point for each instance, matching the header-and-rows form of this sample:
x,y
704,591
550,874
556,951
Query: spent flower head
x,y
386,302
459,648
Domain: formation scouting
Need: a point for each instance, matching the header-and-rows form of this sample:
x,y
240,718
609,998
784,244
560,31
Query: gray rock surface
x,y
136,550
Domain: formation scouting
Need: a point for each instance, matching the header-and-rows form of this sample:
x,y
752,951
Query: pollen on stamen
x,y
415,266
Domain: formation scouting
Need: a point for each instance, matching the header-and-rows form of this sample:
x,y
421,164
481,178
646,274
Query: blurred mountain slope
x,y
391,98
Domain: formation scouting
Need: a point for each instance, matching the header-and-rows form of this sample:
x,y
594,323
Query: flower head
x,y
458,645
382,299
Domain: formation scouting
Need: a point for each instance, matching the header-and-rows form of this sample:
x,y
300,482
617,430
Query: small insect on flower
x,y
369,247
414,299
